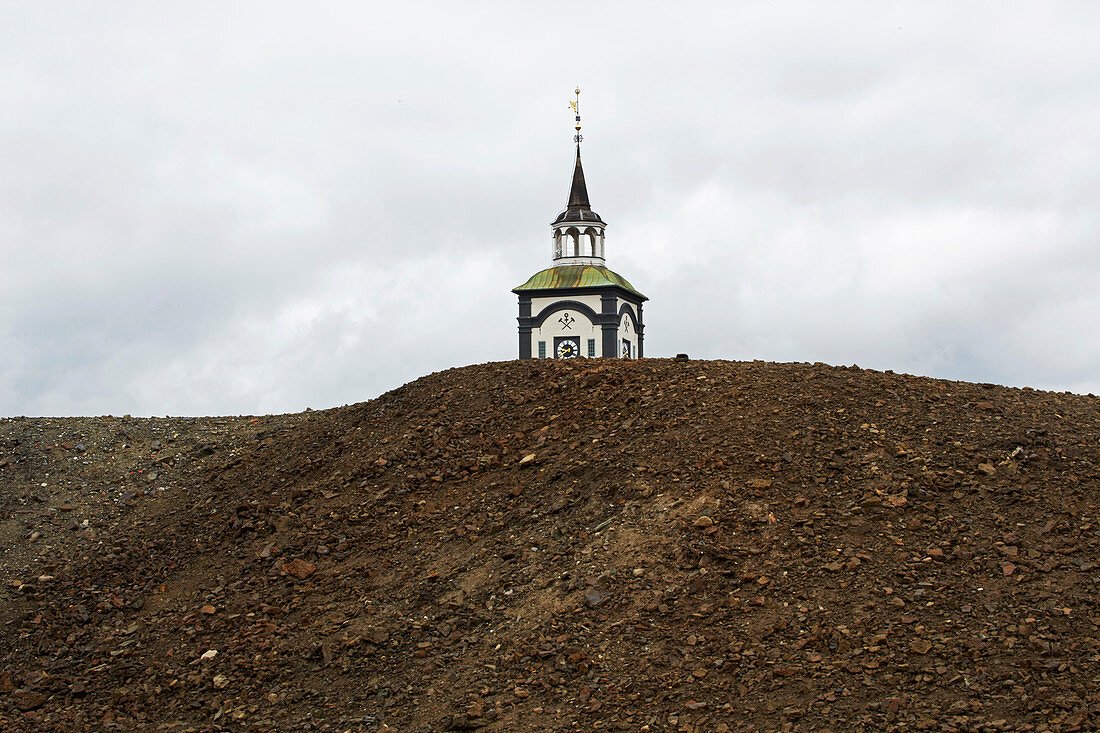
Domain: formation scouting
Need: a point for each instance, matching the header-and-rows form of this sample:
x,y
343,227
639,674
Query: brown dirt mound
x,y
650,545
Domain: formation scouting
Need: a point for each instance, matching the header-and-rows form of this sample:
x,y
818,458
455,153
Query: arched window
x,y
557,243
573,234
590,241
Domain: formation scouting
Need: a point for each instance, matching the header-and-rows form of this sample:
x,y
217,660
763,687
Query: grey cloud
x,y
252,208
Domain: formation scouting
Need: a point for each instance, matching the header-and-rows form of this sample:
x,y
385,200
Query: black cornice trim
x,y
629,295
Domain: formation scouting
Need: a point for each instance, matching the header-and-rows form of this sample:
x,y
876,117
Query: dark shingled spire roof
x,y
578,192
578,209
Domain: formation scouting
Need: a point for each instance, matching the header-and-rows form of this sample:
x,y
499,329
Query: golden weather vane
x,y
574,104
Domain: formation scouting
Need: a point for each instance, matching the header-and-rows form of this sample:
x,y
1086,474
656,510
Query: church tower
x,y
578,307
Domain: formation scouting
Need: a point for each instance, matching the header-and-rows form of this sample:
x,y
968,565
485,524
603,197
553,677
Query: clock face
x,y
568,349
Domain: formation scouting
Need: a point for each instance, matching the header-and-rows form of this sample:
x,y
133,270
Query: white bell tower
x,y
577,307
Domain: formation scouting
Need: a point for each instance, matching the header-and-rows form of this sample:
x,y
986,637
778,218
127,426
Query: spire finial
x,y
576,111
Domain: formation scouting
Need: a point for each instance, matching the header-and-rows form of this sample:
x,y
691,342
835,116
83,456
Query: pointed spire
x,y
578,192
578,209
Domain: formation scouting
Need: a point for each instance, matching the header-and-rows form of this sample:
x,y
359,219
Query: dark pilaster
x,y
524,329
610,340
609,303
610,326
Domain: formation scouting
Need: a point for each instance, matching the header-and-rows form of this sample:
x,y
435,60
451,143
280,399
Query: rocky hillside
x,y
590,545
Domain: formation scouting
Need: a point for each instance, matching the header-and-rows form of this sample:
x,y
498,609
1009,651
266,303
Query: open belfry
x,y
577,307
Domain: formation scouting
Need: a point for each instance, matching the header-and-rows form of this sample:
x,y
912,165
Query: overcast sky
x,y
255,207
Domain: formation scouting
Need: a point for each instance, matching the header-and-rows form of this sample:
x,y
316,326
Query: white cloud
x,y
209,208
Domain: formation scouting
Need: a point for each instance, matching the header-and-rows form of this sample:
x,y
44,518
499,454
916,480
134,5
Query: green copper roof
x,y
576,276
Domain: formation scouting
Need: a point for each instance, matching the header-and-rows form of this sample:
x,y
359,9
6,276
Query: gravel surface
x,y
591,545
